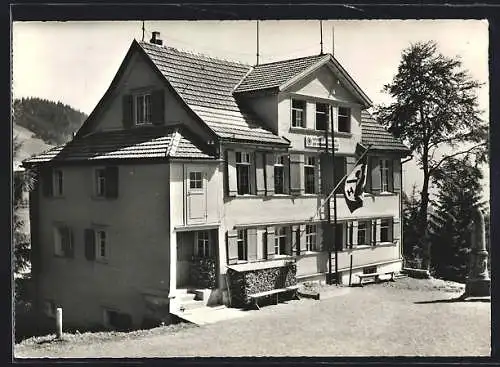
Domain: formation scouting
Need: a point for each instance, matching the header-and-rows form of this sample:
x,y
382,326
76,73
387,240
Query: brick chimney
x,y
155,39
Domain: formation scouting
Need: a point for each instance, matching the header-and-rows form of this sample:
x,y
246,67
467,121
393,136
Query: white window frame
x,y
384,175
101,239
386,223
364,227
100,182
279,164
147,110
198,181
296,111
58,244
311,236
326,114
310,161
203,238
57,183
342,116
280,233
242,242
243,159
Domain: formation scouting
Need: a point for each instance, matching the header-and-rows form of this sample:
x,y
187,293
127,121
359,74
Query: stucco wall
x,y
137,226
266,107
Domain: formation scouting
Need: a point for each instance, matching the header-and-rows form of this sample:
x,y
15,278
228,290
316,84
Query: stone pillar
x,y
478,281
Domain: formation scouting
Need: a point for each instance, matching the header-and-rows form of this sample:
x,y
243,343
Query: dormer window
x,y
143,109
344,120
298,113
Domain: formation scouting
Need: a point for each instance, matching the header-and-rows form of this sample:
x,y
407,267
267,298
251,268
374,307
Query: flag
x,y
355,184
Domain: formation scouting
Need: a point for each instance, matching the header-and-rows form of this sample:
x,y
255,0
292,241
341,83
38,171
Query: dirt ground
x,y
409,317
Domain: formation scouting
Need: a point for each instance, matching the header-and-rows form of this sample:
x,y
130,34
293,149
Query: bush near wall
x,y
242,284
203,273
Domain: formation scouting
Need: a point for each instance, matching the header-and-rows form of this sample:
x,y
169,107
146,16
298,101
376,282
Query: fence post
x,y
59,323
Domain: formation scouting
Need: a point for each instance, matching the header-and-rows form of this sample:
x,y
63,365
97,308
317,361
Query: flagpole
x,y
327,201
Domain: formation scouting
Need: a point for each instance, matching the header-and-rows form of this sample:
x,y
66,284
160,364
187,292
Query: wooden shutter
x,y
296,174
89,238
397,174
269,162
232,184
128,111
158,107
376,180
354,234
270,242
251,175
252,244
259,173
111,182
286,174
302,238
377,231
390,175
396,229
232,247
289,239
47,182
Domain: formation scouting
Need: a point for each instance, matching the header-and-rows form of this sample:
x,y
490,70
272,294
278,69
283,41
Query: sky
x,y
74,62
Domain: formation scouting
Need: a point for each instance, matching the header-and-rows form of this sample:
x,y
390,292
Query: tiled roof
x,y
206,85
144,142
372,133
274,74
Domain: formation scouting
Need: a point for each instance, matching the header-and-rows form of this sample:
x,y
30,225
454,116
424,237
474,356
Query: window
x,y
243,172
203,244
298,113
143,109
344,120
279,175
310,175
242,244
58,182
384,174
195,180
363,228
385,235
101,247
370,270
280,241
100,177
322,114
63,244
311,237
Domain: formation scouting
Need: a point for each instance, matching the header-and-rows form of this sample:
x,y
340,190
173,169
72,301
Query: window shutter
x,y
270,242
47,182
251,175
296,174
376,181
326,173
390,175
397,174
158,107
232,247
111,182
289,239
354,234
295,240
269,162
259,173
377,231
89,235
317,178
231,173
252,244
396,229
128,111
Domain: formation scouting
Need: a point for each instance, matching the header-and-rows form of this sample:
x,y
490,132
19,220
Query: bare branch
x,y
432,169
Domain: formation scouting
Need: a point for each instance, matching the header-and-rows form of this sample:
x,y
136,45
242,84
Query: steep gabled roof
x,y
374,134
139,143
275,74
206,85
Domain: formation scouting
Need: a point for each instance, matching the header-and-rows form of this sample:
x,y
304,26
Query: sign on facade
x,y
319,142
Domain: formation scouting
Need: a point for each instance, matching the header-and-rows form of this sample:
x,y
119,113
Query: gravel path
x,y
389,319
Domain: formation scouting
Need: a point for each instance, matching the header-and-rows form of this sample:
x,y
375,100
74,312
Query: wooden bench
x,y
256,296
375,277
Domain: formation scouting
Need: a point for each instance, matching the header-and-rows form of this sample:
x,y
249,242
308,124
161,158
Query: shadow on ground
x,y
453,300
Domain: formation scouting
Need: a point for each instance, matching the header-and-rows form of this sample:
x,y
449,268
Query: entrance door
x,y
196,196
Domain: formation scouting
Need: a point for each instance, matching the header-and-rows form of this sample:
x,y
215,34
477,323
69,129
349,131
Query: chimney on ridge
x,y
155,39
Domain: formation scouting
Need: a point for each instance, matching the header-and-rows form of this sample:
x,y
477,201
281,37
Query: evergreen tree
x,y
458,181
411,251
434,105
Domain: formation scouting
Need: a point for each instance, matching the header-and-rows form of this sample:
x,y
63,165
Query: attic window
x,y
344,120
298,113
143,109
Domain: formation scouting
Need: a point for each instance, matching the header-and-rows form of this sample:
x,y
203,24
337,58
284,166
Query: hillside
x,y
51,122
30,144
